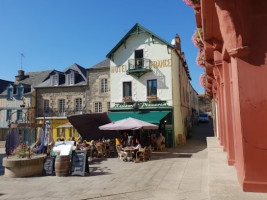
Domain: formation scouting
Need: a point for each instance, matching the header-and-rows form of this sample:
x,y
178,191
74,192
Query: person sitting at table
x,y
124,139
161,138
85,146
138,149
93,149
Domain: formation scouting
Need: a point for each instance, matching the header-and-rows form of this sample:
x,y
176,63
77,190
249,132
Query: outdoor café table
x,y
130,151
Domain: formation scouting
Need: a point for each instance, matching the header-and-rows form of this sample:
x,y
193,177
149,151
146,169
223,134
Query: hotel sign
x,y
153,64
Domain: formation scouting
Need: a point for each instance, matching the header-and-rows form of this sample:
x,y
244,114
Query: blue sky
x,y
54,34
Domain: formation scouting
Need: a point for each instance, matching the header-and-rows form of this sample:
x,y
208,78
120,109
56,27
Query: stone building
x,y
205,104
149,80
17,100
98,92
62,94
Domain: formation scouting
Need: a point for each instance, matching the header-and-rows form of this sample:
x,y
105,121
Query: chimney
x,y
20,75
178,42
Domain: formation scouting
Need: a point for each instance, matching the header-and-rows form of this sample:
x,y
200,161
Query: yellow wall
x,y
177,115
58,122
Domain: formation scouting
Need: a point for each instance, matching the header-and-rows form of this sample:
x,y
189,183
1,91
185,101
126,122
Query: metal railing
x,y
139,64
57,113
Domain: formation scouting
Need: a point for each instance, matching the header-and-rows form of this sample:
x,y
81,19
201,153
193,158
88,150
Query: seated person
x,y
79,144
118,142
161,138
138,149
37,148
85,146
93,149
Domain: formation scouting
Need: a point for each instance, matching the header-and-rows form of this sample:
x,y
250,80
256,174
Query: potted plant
x,y
192,3
200,60
197,39
202,80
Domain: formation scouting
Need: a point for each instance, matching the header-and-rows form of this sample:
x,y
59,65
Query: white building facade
x,y
145,84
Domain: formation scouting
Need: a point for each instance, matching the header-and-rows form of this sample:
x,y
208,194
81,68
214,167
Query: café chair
x,y
160,146
142,155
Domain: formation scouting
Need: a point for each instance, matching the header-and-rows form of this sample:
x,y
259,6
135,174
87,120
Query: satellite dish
x,y
173,42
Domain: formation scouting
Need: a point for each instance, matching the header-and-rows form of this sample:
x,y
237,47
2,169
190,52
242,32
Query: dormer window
x,y
9,92
70,79
20,91
54,80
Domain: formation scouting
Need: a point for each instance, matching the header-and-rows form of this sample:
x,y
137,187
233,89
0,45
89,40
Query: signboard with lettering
x,y
142,105
154,64
78,162
49,164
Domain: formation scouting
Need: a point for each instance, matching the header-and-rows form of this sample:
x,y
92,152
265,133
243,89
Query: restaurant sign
x,y
141,105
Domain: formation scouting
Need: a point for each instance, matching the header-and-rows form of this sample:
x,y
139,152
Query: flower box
x,y
127,98
152,97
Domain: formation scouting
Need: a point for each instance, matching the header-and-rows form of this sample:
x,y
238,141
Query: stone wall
x,y
54,94
205,104
93,93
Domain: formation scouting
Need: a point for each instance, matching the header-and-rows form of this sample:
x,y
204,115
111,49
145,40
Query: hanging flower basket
x,y
192,3
202,80
200,60
197,39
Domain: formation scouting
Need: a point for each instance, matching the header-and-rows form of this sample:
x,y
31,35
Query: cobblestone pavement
x,y
176,173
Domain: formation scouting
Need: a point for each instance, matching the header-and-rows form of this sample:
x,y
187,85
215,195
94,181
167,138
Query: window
x,y
63,132
70,133
69,80
108,105
10,92
8,112
74,131
61,106
46,106
98,107
78,104
127,89
152,88
72,78
58,132
104,85
139,55
19,115
54,80
20,90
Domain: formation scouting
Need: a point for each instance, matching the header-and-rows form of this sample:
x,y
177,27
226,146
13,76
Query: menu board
x,y
62,148
49,166
78,162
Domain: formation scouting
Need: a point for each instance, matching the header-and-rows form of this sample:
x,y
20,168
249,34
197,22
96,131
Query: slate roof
x,y
137,27
30,80
102,64
34,78
4,84
79,69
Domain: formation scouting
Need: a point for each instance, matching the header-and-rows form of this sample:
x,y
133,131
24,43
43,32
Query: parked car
x,y
203,117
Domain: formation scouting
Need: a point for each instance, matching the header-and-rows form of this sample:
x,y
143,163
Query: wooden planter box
x,y
23,167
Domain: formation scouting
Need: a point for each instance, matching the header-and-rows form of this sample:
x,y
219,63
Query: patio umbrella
x,y
128,124
87,126
67,125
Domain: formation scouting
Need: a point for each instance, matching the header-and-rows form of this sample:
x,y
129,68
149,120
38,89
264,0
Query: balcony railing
x,y
57,113
139,67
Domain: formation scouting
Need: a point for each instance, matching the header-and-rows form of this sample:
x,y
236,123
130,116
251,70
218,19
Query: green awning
x,y
151,117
